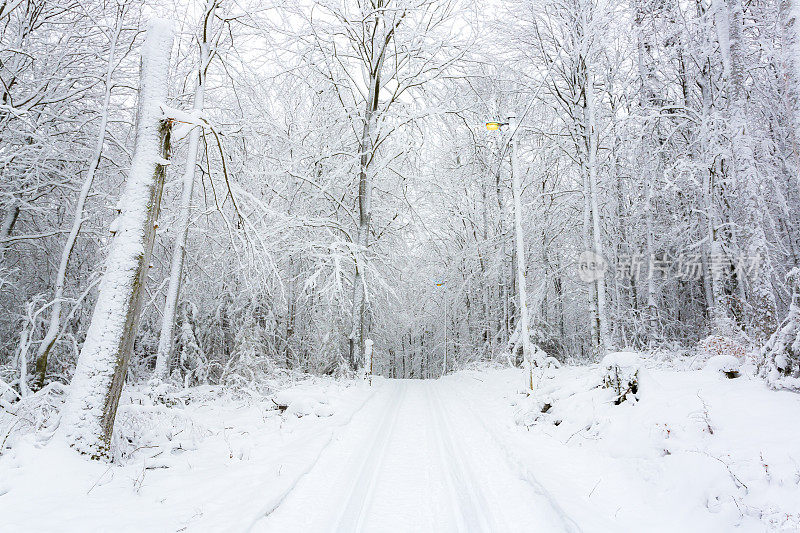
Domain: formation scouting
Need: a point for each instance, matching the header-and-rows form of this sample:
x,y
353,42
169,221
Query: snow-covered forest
x,y
223,222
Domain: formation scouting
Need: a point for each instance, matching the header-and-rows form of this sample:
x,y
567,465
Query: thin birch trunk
x,y
652,321
587,245
54,325
604,333
165,340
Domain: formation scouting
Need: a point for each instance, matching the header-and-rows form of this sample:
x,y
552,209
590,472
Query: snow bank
x,y
303,402
198,459
696,452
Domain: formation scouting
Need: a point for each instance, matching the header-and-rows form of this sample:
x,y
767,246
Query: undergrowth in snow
x,y
205,456
164,417
718,449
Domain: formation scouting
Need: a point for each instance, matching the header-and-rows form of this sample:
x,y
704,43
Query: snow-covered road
x,y
472,451
417,457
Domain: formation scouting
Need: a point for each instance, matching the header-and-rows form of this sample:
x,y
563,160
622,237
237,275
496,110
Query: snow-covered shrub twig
x,y
621,374
35,413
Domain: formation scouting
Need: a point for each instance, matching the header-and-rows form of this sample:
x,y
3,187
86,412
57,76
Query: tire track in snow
x,y
518,466
275,502
458,508
475,515
362,485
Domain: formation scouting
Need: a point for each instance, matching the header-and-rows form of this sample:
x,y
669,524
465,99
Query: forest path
x,y
416,458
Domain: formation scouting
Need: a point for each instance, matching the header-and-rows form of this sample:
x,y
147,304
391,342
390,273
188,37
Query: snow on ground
x,y
216,470
688,451
414,460
696,452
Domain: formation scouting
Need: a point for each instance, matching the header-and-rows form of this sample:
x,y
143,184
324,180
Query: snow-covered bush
x,y
35,413
715,345
542,343
724,364
154,419
621,374
8,393
779,361
192,361
250,366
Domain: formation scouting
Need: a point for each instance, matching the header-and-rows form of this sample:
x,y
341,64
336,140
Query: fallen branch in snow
x,y
738,482
281,407
100,478
706,417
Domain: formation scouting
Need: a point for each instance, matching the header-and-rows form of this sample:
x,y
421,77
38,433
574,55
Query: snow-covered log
x,y
724,364
89,413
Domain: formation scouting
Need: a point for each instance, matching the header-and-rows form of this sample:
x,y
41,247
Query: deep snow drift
x,y
688,451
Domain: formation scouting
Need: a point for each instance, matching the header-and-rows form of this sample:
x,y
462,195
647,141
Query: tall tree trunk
x,y
366,153
761,294
165,340
362,241
712,278
590,127
91,407
647,104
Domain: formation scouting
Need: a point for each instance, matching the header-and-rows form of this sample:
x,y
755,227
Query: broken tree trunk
x,y
91,407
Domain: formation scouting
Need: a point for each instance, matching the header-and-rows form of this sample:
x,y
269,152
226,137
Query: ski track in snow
x,y
416,458
475,511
